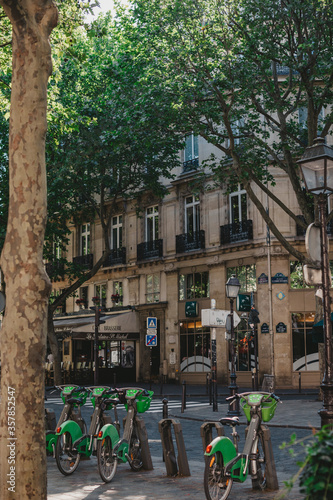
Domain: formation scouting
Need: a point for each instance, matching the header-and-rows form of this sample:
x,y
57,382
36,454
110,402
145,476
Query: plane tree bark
x,y
23,334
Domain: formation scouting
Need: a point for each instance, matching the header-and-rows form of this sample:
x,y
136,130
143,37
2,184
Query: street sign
x,y
151,323
151,340
216,318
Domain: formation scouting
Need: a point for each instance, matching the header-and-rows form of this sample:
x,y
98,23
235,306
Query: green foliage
x,y
317,477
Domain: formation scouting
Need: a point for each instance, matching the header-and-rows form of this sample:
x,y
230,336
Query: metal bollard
x,y
206,431
171,461
207,383
210,391
183,397
300,382
165,408
114,380
252,381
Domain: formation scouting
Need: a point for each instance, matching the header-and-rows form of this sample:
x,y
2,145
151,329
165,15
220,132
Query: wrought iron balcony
x,y
300,231
85,261
150,250
236,232
117,256
190,241
55,269
190,165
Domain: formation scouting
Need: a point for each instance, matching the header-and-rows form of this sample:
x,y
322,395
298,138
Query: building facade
x,y
169,263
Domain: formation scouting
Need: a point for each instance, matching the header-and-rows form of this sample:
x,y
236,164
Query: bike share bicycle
x,y
74,397
224,464
73,442
128,448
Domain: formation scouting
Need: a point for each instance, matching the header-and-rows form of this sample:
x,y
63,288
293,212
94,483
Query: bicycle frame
x,y
237,465
52,436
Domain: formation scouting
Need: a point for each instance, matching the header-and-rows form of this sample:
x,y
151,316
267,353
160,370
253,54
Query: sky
x,y
106,5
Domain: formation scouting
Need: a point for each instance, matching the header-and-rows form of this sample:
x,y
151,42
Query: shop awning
x,y
123,326
67,324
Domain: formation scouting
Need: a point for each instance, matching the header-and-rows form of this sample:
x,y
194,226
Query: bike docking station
x,y
174,466
206,432
147,463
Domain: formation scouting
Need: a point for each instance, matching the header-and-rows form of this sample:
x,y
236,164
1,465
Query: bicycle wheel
x,y
217,486
135,450
107,463
67,459
259,479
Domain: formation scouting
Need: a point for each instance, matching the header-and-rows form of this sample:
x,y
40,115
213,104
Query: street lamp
x,y
317,169
232,288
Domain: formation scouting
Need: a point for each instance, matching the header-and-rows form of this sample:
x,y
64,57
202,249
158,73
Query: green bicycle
x,y
224,464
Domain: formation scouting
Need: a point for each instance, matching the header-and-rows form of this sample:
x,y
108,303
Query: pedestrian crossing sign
x,y
151,323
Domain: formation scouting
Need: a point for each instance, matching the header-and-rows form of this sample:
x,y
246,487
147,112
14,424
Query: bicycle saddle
x,y
229,421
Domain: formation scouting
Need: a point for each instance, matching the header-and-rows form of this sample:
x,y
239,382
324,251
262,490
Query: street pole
x,y
96,346
214,363
326,413
234,406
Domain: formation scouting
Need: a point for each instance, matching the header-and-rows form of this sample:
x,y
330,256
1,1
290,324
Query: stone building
x,y
169,264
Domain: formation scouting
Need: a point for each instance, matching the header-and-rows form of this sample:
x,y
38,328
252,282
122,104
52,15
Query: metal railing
x,y
117,256
190,241
150,250
238,231
85,261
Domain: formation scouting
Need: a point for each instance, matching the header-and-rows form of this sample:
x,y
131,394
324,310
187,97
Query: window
x,y
194,285
195,351
82,300
117,293
56,250
191,151
246,275
237,130
100,292
153,288
306,338
244,347
85,239
117,232
152,223
303,123
192,214
62,308
238,206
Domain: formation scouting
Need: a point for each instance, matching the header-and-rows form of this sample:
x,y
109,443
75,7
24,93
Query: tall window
x,y
100,292
85,239
193,285
117,293
195,352
191,151
238,206
153,288
246,275
305,342
117,232
192,214
152,229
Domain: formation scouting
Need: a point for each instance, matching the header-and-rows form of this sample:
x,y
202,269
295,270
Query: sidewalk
x,y
294,415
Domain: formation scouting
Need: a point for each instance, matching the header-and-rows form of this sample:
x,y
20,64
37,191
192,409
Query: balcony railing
x,y
85,261
190,165
117,256
150,250
236,232
300,231
55,269
190,241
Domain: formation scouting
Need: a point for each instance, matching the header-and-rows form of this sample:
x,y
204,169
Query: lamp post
x,y
317,170
232,288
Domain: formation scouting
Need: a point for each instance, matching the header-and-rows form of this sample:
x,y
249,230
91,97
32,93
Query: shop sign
x,y
243,302
191,309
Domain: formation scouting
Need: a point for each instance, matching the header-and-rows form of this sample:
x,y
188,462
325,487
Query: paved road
x,y
296,414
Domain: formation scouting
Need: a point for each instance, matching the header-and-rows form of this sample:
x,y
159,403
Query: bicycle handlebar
x,y
245,394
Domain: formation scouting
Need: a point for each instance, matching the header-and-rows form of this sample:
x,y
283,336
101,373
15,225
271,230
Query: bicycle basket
x,y
268,408
75,394
142,401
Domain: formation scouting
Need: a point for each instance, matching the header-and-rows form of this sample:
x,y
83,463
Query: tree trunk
x,y
23,335
54,349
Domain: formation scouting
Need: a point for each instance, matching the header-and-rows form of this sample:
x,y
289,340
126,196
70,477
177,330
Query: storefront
x,y
117,347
